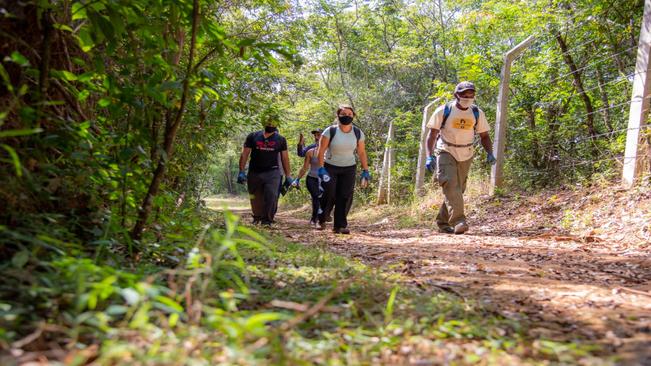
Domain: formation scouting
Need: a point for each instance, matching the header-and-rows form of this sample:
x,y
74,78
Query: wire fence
x,y
611,65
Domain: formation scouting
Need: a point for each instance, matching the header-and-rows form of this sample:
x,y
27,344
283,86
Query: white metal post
x,y
639,99
502,113
422,151
384,190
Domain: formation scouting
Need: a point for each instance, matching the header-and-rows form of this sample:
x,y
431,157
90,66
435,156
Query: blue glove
x,y
323,174
366,175
491,159
288,182
296,183
430,163
241,178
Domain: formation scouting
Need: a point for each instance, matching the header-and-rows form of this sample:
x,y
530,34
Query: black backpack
x,y
333,132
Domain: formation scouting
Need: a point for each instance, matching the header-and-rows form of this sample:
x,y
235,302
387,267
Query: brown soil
x,y
572,264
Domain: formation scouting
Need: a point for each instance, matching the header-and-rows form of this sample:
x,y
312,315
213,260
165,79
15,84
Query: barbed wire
x,y
612,158
593,63
610,107
577,140
574,94
555,79
560,56
568,21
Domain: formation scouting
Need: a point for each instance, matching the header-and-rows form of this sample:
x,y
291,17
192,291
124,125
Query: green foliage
x,y
104,112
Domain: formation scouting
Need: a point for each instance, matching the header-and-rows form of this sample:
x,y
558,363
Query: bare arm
x,y
324,143
284,157
361,151
306,163
486,142
431,140
244,157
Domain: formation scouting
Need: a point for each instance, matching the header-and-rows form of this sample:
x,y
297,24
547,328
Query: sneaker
x,y
329,219
341,230
461,228
255,222
446,230
320,225
312,223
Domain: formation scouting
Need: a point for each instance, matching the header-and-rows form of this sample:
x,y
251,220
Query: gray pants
x,y
452,175
263,190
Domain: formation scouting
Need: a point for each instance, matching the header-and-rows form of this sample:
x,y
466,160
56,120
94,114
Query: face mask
x,y
466,102
345,120
270,129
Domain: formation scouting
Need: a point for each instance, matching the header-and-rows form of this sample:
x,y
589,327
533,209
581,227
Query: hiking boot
x,y
461,228
446,230
341,230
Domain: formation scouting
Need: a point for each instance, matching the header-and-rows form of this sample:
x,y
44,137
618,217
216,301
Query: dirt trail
x,y
565,287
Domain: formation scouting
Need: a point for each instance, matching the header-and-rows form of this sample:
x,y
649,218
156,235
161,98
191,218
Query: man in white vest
x,y
452,130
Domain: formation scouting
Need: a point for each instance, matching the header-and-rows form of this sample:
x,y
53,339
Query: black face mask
x,y
345,120
270,129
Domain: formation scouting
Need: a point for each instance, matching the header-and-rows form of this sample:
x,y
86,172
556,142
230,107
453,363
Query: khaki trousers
x,y
452,175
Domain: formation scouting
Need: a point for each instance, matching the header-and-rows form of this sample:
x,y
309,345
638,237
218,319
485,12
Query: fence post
x,y
639,100
422,151
502,113
384,190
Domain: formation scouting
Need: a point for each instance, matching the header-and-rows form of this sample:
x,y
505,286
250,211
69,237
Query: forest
x,y
126,240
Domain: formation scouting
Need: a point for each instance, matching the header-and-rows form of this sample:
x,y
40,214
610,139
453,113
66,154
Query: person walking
x,y
301,149
337,168
268,152
311,166
452,129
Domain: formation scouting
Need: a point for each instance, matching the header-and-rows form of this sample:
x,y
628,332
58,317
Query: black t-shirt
x,y
265,151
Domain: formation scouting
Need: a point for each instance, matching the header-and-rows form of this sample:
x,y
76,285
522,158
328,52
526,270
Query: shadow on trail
x,y
562,290
565,288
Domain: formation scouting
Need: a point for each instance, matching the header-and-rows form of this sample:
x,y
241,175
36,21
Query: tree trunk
x,y
422,149
535,149
229,177
578,84
46,52
340,63
443,32
604,98
385,176
170,134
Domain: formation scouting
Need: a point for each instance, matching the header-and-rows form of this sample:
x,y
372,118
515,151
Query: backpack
x,y
448,110
356,130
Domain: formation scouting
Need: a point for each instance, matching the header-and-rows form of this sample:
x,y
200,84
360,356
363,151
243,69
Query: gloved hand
x,y
490,158
366,175
288,182
296,183
323,174
241,178
430,163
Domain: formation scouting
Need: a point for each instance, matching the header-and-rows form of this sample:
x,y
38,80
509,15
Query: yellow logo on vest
x,y
463,124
